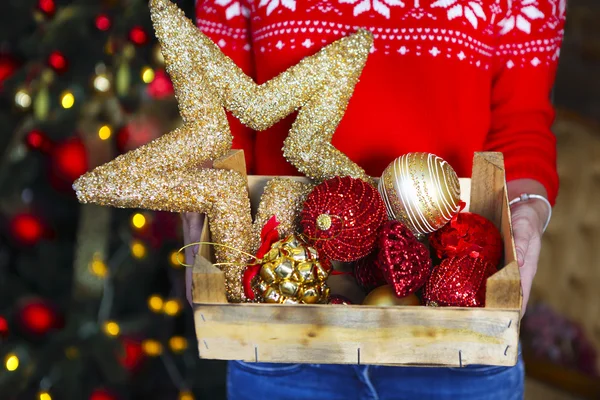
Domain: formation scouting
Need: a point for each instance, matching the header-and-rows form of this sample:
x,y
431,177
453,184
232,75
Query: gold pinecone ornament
x,y
292,273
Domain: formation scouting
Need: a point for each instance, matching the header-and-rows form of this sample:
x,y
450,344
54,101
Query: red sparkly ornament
x,y
103,22
27,229
368,274
58,62
48,7
468,234
38,317
405,262
102,394
458,282
341,218
338,299
138,36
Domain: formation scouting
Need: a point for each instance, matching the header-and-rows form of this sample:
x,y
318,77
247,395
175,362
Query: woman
x,y
449,77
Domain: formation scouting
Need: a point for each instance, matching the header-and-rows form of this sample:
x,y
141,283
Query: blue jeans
x,y
254,381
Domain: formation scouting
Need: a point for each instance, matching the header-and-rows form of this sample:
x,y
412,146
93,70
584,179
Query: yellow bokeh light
x,y
102,83
186,395
155,303
104,133
44,396
111,328
11,361
152,347
178,344
176,258
98,267
172,307
147,74
67,100
138,250
138,220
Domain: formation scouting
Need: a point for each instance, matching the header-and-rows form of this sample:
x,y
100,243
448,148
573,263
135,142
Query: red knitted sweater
x,y
449,77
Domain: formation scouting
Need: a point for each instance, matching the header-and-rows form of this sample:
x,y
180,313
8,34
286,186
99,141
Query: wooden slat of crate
x,y
357,334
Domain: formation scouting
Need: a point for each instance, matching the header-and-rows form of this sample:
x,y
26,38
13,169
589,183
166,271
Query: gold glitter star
x,y
166,174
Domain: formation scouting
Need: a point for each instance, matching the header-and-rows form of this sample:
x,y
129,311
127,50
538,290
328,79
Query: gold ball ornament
x,y
384,296
292,273
421,190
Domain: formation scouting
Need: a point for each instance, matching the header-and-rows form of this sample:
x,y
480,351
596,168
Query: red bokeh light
x,y
132,354
102,394
38,140
161,86
58,62
137,132
138,35
103,22
3,326
38,317
35,139
47,6
8,65
26,229
69,160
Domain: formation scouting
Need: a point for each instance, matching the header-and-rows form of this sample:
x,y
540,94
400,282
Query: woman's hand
x,y
192,229
528,220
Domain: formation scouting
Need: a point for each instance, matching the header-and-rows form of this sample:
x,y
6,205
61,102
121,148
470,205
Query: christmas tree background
x,y
92,302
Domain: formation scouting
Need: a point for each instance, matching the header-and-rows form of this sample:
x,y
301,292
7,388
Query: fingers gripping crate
x,y
356,334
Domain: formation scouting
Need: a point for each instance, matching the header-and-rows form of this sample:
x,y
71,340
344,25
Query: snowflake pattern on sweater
x,y
521,32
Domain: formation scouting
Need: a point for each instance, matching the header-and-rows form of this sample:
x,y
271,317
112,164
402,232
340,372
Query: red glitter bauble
x,y
468,234
102,394
458,282
368,274
58,62
341,218
405,262
27,229
338,299
38,317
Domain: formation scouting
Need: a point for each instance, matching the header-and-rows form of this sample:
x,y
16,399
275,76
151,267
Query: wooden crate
x,y
444,336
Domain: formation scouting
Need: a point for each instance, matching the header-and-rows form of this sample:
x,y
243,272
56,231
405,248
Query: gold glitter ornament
x,y
292,273
421,190
283,198
165,174
320,86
